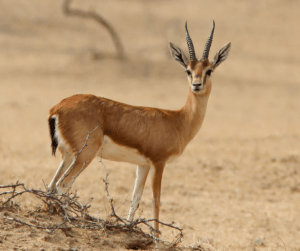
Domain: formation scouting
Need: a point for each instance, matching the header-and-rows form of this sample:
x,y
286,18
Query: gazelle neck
x,y
193,112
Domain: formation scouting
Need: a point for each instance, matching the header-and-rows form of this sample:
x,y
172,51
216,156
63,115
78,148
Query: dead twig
x,y
96,17
73,214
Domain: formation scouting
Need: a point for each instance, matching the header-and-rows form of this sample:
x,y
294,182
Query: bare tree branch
x,y
96,17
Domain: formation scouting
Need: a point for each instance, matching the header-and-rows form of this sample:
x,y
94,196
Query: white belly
x,y
116,152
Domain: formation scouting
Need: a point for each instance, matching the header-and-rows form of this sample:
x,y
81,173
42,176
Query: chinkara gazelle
x,y
145,136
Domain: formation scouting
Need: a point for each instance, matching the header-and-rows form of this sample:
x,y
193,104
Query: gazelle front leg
x,y
140,179
156,173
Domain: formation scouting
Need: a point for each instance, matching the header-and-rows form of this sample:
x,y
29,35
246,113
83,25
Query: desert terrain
x,y
236,186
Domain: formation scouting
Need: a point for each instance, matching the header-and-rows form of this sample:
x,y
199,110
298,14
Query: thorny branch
x,y
73,214
113,213
94,16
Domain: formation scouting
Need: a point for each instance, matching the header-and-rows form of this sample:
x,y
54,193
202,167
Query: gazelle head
x,y
199,70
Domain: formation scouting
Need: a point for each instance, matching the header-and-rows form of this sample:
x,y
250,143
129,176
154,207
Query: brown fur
x,y
156,133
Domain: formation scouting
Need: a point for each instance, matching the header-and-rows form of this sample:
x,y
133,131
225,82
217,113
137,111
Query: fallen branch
x,y
73,214
96,17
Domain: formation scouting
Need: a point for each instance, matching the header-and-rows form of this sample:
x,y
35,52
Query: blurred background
x,y
239,180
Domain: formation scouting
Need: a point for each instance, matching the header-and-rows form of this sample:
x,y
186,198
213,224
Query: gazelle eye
x,y
208,72
188,72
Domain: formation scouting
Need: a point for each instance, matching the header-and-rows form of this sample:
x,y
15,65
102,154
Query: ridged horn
x,y
190,44
208,43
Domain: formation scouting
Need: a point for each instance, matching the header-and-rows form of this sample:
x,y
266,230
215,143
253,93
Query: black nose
x,y
198,85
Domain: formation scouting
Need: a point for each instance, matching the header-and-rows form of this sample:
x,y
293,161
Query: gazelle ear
x,y
221,55
178,55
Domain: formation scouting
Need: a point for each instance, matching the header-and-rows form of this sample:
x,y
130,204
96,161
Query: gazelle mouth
x,y
197,88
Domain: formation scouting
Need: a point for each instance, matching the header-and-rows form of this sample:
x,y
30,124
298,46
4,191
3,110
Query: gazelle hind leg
x,y
156,173
79,164
65,163
74,170
87,147
140,179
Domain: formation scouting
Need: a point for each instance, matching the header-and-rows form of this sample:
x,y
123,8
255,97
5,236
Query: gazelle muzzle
x,y
198,86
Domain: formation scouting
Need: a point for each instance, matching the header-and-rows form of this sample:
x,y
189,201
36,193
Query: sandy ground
x,y
237,185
